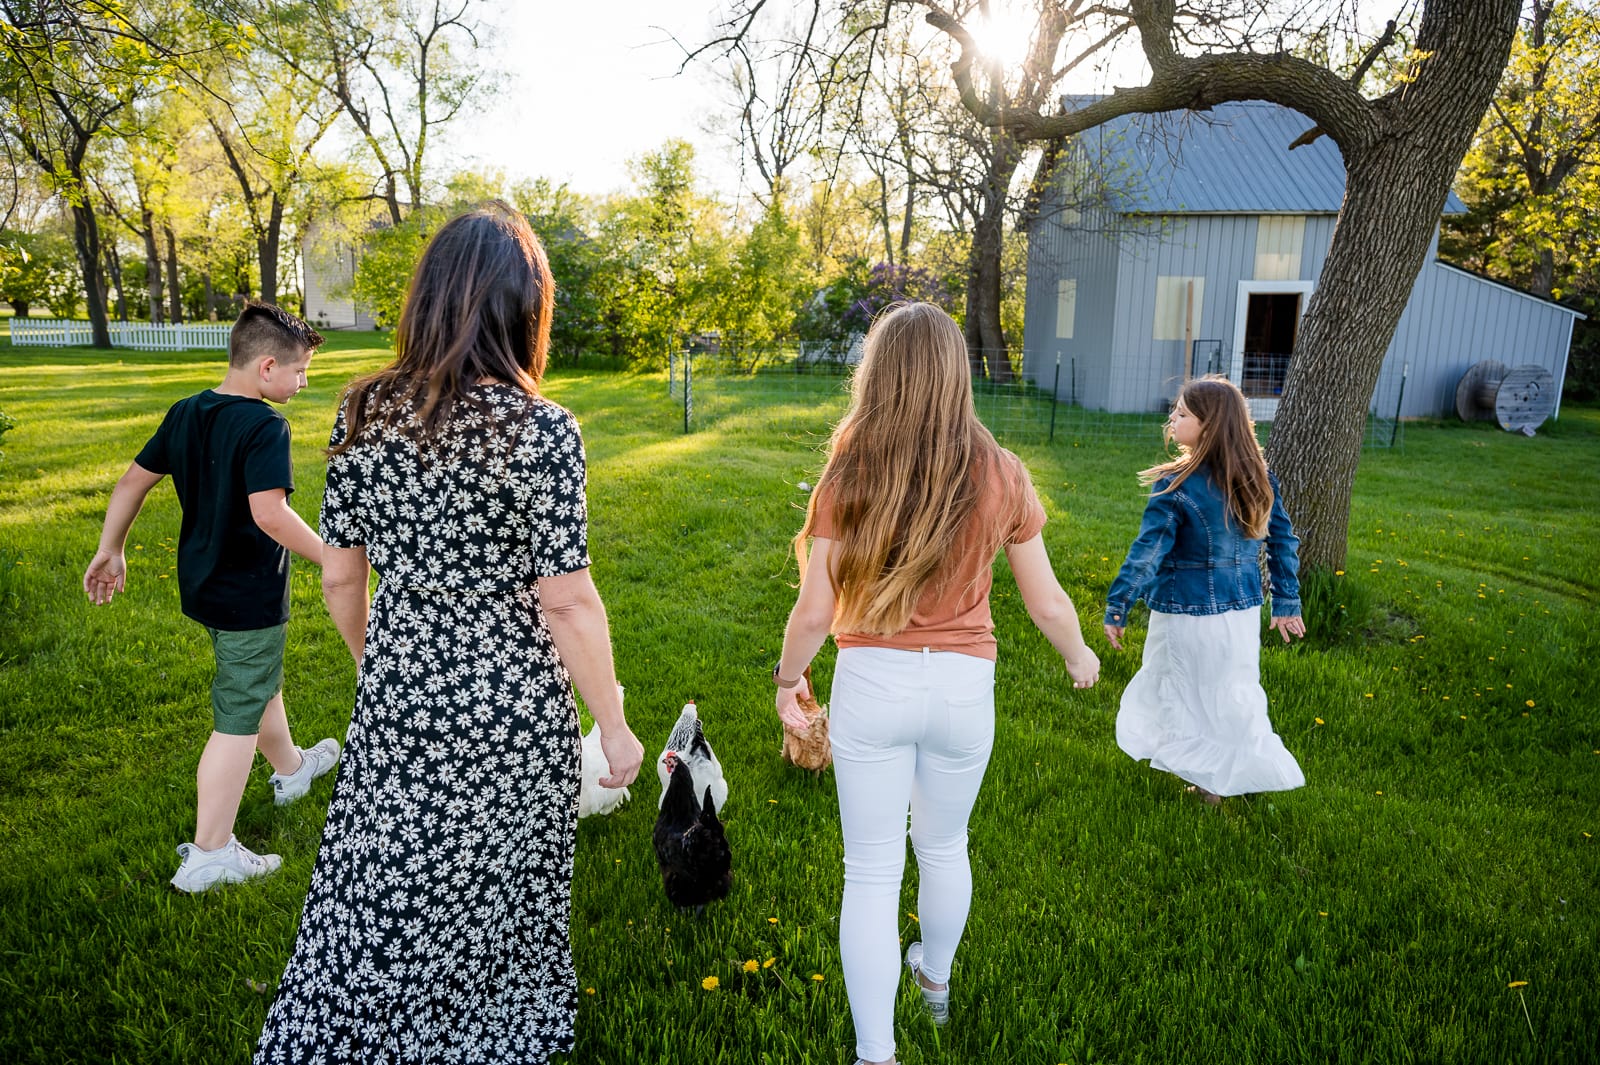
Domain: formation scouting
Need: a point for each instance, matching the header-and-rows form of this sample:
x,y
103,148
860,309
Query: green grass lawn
x,y
1444,848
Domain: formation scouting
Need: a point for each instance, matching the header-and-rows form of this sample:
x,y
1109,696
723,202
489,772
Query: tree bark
x,y
114,268
152,264
267,248
1395,189
86,239
986,342
174,290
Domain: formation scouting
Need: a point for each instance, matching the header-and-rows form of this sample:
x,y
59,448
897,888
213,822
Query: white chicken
x,y
592,797
687,741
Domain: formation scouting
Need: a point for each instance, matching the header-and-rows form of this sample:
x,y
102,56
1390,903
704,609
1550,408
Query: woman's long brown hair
x,y
901,469
478,307
1228,447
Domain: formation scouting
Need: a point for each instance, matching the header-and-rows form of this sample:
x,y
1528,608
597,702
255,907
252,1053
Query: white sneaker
x,y
314,762
938,1002
231,863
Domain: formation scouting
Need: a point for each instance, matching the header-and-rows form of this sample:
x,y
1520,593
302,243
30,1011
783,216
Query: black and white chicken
x,y
688,741
696,864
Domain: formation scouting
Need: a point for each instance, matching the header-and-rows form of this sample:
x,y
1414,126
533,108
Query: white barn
x,y
1201,254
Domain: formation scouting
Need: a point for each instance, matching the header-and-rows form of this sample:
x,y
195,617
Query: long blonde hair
x,y
1228,447
900,472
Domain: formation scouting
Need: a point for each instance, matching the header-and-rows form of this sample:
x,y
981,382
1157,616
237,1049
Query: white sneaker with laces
x,y
231,863
938,1002
314,762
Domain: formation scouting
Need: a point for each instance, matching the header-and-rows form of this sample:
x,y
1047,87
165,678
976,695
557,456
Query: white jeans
x,y
911,730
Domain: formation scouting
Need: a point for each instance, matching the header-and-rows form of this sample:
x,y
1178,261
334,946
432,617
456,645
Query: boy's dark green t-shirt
x,y
219,449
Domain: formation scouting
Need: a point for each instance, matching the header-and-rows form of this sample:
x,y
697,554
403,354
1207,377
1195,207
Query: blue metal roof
x,y
1234,158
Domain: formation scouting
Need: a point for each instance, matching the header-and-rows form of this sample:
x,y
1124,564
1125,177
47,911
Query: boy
x,y
228,454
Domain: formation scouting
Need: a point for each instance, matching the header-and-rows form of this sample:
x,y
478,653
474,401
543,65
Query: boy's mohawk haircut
x,y
295,327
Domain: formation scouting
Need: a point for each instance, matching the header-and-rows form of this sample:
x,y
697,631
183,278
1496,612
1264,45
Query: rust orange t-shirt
x,y
953,612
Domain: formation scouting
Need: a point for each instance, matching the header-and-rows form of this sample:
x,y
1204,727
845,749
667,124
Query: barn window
x,y
1175,308
1066,306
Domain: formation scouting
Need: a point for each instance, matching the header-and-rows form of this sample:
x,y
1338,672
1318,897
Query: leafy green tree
x,y
667,259
564,222
39,270
1532,178
68,80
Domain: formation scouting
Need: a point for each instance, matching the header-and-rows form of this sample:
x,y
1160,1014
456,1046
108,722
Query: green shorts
x,y
249,674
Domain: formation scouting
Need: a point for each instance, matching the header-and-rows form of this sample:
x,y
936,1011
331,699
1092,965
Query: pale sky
x,y
590,86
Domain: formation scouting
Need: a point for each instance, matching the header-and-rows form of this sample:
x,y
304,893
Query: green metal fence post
x,y
1055,398
1405,371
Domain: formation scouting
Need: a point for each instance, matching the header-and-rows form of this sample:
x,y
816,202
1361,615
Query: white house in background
x,y
1205,257
330,268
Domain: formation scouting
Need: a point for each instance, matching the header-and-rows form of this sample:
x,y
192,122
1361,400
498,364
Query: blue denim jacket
x,y
1188,560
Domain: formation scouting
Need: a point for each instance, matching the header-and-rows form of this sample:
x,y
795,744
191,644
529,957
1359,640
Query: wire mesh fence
x,y
805,389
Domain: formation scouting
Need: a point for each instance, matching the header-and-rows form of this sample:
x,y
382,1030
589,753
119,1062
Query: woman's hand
x,y
1290,626
1114,636
1084,668
624,754
788,704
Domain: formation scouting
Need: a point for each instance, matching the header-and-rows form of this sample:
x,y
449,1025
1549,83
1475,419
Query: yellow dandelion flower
x,y
912,916
1338,573
752,966
769,963
1587,836
772,802
1377,793
588,991
1529,704
1368,695
818,977
1518,983
710,983
1322,913
1318,720
772,920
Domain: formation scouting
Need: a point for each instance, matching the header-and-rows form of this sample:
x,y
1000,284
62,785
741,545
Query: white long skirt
x,y
1196,708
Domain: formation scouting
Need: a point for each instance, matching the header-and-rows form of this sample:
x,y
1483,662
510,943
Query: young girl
x,y
914,503
1196,708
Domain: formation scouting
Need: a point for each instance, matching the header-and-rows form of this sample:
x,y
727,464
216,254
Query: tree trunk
x,y
986,342
86,239
267,250
114,268
1544,272
152,265
1394,191
174,290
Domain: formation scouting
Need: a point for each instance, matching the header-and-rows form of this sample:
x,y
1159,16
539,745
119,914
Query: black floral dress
x,y
436,926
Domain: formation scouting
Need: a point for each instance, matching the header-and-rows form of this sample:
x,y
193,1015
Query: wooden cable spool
x,y
1525,399
1476,390
1518,400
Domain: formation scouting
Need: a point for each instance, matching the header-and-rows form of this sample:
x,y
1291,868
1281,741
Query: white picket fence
x,y
141,336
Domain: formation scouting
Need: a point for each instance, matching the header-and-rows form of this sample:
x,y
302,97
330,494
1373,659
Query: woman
x,y
914,503
435,928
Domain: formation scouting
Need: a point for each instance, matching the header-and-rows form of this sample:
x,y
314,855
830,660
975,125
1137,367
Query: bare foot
x,y
1210,798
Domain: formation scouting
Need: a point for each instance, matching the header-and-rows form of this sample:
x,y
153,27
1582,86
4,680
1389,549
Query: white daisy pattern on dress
x,y
436,925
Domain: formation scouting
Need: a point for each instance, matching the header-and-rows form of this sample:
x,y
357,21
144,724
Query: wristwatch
x,y
779,681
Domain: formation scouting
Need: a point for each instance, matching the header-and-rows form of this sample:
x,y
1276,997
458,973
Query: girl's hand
x,y
1084,668
788,704
1114,636
1290,626
106,576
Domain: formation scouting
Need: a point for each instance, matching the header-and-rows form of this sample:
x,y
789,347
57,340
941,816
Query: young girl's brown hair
x,y
1227,447
901,469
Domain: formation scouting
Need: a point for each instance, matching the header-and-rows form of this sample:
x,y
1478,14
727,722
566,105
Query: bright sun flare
x,y
1004,35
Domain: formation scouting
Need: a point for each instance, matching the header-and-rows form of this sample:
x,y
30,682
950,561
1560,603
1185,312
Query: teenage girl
x,y
915,501
1196,707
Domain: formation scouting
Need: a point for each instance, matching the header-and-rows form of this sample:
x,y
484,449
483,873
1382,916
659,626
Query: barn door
x,y
1266,322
